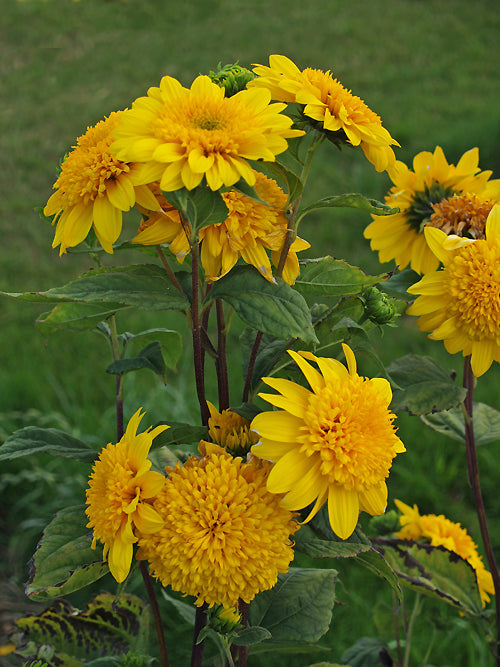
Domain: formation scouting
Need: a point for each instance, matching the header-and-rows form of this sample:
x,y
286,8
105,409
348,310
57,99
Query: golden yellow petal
x,y
147,519
343,510
107,223
374,500
270,450
296,395
306,489
483,353
277,425
284,474
492,223
316,381
120,554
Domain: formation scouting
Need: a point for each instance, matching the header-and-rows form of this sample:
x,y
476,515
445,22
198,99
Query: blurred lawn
x,y
428,68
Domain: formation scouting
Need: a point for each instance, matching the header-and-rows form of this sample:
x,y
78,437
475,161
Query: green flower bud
x,y
379,308
225,620
231,77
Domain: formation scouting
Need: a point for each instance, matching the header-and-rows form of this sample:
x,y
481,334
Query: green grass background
x,y
429,68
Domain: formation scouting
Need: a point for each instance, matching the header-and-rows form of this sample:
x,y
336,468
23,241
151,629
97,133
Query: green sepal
x,y
350,200
200,206
144,286
273,308
329,277
64,560
421,386
433,571
33,440
451,423
298,608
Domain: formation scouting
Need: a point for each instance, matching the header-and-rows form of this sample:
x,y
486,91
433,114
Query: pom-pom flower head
x,y
440,531
327,102
334,443
186,134
94,188
224,536
460,303
416,193
120,491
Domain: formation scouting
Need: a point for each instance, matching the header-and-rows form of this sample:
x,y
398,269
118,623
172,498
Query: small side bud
x,y
379,308
232,78
225,620
385,524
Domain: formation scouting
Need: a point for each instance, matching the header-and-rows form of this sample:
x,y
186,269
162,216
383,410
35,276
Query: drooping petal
x,y
343,510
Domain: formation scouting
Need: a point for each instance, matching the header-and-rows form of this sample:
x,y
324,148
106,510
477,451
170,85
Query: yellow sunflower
x,y
224,536
326,101
94,188
460,303
119,495
249,229
416,193
335,443
440,531
185,134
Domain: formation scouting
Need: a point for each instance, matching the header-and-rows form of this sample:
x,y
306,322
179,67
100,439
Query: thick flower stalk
x,y
334,108
121,488
186,135
440,531
94,188
224,536
460,303
416,193
334,443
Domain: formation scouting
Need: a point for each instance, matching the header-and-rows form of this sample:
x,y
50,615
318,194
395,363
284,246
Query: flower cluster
x,y
440,531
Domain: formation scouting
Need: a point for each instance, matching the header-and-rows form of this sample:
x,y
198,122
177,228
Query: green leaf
x,y
109,626
179,434
274,309
186,611
64,561
374,561
451,422
290,648
251,635
171,343
299,607
364,653
75,316
329,277
200,206
307,542
31,440
398,284
149,357
434,571
422,386
144,286
350,200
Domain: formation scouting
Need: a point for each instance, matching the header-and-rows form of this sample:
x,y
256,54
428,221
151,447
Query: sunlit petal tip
x,y
350,358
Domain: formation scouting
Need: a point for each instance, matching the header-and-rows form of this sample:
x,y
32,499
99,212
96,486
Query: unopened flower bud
x,y
225,620
231,77
379,307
